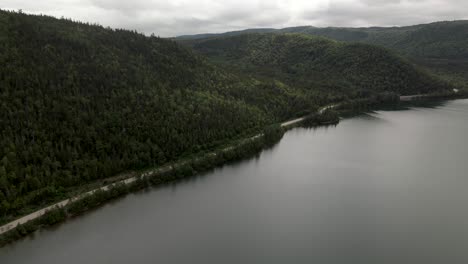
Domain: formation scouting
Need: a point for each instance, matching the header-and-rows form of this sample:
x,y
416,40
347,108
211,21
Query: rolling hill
x,y
315,63
80,103
448,39
440,47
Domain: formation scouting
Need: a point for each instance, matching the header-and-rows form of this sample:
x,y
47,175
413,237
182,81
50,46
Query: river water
x,y
385,187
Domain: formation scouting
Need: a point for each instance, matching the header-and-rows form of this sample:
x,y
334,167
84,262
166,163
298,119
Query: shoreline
x,y
144,175
27,224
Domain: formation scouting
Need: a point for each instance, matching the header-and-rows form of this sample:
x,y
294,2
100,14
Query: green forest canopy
x,y
448,39
440,47
320,64
81,102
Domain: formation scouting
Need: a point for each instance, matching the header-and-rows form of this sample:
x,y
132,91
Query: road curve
x,y
298,120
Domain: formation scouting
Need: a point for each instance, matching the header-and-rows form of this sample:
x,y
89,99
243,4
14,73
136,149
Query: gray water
x,y
386,187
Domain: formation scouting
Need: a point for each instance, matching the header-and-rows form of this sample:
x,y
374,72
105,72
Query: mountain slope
x,y
448,39
440,47
79,102
314,63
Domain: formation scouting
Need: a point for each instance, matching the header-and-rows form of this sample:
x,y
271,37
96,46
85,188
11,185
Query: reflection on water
x,y
385,187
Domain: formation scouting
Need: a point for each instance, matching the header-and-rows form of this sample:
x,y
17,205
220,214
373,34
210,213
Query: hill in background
x,y
318,64
441,47
81,103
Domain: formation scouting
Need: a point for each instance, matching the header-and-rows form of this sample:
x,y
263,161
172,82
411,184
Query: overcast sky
x,y
168,18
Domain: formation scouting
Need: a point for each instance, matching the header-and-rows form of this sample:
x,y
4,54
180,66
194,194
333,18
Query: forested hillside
x,y
441,47
80,102
448,40
315,63
435,40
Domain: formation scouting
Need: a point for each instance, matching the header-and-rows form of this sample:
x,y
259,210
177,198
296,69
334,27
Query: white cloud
x,y
176,17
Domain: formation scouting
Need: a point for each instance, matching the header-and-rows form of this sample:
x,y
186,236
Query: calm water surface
x,y
387,187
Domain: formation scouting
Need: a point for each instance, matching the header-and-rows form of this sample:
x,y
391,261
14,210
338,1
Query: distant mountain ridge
x,y
440,47
447,39
226,34
317,63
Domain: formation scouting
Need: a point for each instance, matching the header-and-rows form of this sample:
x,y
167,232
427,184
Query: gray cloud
x,y
176,17
386,13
